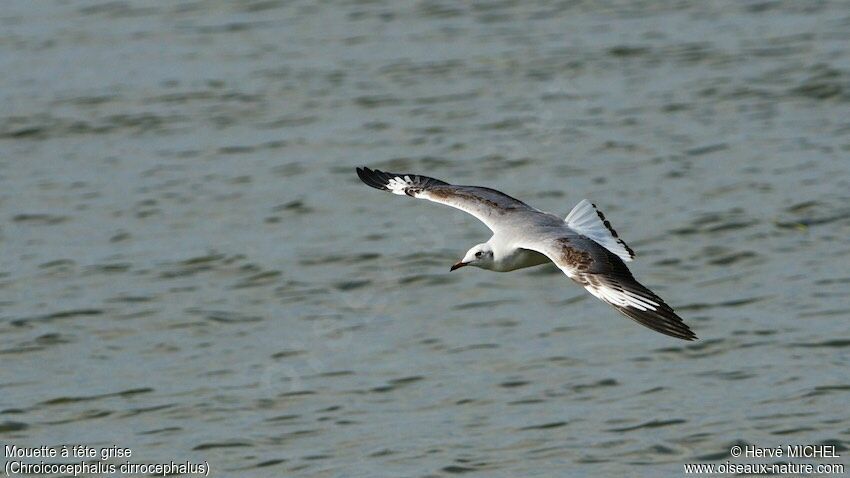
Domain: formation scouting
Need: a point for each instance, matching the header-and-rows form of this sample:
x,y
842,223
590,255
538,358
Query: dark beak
x,y
458,265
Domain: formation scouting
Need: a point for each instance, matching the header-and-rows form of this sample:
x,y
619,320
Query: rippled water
x,y
191,269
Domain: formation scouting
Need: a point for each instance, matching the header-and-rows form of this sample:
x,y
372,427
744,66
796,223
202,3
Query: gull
x,y
584,245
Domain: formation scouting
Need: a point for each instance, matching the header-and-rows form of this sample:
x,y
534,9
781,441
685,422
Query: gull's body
x,y
584,245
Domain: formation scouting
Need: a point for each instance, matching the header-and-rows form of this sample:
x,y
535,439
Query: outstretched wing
x,y
488,205
605,276
589,221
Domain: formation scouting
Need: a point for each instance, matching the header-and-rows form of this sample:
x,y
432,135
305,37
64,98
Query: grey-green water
x,y
191,269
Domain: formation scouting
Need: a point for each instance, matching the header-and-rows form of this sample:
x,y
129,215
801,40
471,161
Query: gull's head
x,y
479,256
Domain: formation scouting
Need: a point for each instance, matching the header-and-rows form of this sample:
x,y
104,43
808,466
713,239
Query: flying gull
x,y
584,245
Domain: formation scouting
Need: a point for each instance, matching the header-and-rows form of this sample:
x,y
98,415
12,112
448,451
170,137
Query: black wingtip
x,y
682,331
379,179
361,172
372,178
664,321
687,334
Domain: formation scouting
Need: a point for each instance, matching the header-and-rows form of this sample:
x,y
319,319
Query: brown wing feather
x,y
483,203
606,276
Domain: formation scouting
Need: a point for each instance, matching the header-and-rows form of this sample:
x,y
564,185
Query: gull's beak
x,y
458,265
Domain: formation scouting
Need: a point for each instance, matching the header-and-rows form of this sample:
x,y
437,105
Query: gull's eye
x,y
478,254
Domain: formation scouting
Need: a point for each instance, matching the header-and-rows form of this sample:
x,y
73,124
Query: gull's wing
x,y
589,221
606,276
488,205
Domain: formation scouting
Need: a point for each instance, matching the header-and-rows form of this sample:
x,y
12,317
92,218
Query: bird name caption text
x,y
88,460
